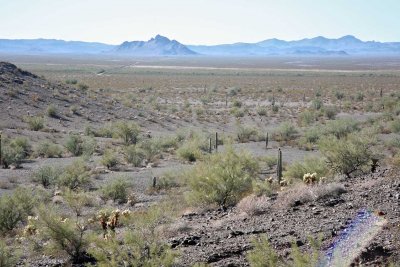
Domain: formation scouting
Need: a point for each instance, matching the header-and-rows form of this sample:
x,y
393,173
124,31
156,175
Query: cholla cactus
x,y
132,199
30,228
109,222
283,183
126,213
310,178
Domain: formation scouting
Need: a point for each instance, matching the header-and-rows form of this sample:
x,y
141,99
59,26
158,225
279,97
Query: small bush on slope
x,y
222,179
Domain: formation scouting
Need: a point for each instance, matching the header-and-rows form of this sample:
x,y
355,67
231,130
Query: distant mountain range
x,y
162,46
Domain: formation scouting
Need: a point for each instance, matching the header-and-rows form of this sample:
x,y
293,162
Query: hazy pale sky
x,y
199,21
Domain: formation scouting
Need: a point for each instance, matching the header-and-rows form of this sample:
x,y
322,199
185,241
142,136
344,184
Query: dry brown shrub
x,y
254,205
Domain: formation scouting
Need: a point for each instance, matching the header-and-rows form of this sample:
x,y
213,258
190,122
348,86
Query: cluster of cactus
x,y
110,221
310,178
30,228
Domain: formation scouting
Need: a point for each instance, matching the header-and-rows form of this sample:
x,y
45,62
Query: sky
x,y
199,21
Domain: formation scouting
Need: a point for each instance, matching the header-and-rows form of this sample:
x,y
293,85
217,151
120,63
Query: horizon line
x,y
238,42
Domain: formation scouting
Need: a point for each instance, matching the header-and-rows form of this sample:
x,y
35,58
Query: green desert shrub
x,y
15,207
236,103
190,150
395,126
237,112
128,132
307,118
51,111
270,161
74,144
317,104
75,176
193,143
117,190
167,181
35,123
348,154
14,151
109,159
309,165
330,112
222,179
245,134
63,236
340,128
83,87
134,155
107,131
71,81
79,146
262,111
46,176
286,131
339,95
9,257
47,149
151,149
89,146
310,136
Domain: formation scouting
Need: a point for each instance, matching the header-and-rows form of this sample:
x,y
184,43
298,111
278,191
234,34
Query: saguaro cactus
x,y
279,165
154,182
1,155
266,141
210,148
216,141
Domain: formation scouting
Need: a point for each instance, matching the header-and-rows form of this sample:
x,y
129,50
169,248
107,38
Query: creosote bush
x,y
15,207
222,179
285,132
128,132
75,176
79,146
109,159
134,155
14,151
47,149
51,111
117,190
35,123
74,144
46,176
246,134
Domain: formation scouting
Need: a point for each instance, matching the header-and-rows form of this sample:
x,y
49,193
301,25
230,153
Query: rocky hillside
x,y
24,95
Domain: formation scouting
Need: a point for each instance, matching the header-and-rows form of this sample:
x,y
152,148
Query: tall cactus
x,y
216,141
1,155
279,166
266,141
210,148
